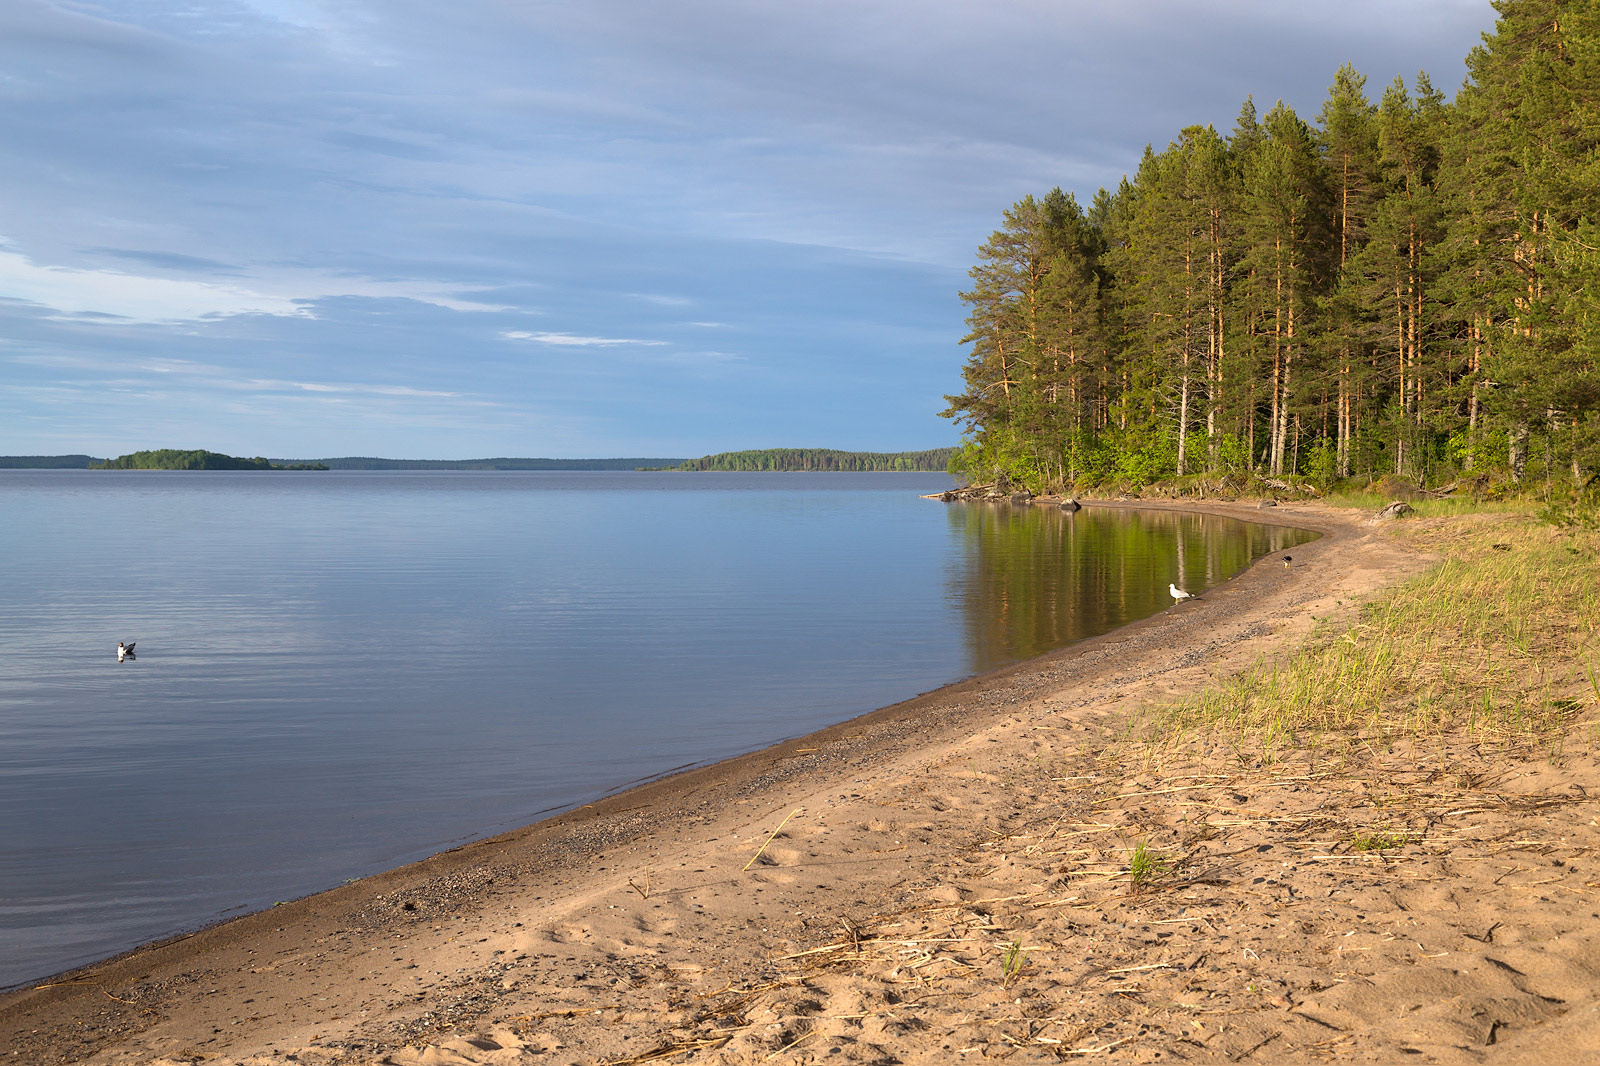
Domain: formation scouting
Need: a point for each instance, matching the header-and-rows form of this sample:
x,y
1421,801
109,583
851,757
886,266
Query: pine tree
x,y
1526,135
1284,201
1349,143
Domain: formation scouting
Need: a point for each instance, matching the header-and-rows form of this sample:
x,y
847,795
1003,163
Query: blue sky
x,y
573,228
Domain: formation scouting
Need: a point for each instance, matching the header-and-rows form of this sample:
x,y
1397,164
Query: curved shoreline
x,y
552,865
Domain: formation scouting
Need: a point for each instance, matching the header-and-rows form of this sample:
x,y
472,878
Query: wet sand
x,y
943,880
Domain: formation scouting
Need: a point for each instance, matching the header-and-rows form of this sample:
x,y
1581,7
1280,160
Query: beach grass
x,y
1499,642
1427,506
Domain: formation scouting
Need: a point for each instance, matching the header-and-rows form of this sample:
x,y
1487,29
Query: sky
x,y
574,228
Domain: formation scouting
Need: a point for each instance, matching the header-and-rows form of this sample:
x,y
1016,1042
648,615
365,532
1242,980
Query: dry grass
x,y
1500,640
1429,506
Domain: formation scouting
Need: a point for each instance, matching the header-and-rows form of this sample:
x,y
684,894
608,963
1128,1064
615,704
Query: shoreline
x,y
552,865
581,798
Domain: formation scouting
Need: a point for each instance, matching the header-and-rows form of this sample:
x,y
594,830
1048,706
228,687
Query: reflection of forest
x,y
1035,578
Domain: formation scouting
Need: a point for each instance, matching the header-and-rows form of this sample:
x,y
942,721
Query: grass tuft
x,y
1146,866
1012,959
1377,840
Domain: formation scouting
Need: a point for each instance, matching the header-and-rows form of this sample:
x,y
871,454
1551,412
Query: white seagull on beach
x,y
1180,595
124,650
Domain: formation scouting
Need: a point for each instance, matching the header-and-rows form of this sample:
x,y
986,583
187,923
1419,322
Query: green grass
x,y
1427,506
1500,639
1377,840
1012,960
1145,866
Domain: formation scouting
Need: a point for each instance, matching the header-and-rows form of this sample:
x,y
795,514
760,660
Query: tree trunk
x,y
1518,449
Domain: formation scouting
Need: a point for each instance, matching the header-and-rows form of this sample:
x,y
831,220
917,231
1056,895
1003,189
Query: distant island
x,y
199,459
761,459
794,459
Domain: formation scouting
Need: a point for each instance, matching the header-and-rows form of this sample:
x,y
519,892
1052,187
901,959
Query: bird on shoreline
x,y
125,651
1180,595
1287,559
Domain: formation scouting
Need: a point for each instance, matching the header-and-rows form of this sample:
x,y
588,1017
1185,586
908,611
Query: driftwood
x,y
1397,509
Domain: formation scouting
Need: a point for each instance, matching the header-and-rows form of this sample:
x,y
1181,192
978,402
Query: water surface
x,y
340,672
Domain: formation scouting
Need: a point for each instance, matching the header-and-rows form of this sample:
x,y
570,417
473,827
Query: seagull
x,y
124,651
1287,559
1178,594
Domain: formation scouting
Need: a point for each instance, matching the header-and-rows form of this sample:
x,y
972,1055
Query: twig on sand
x,y
1100,1050
769,839
795,1043
667,1051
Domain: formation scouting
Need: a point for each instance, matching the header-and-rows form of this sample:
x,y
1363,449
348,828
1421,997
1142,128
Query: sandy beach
x,y
955,878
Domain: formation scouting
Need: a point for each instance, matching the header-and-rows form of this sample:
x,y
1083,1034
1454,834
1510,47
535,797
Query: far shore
x,y
936,881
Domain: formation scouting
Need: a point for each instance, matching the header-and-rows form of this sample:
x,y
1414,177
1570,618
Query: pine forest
x,y
1408,285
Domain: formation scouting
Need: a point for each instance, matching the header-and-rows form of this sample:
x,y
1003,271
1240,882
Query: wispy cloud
x,y
570,340
110,373
269,384
131,297
113,296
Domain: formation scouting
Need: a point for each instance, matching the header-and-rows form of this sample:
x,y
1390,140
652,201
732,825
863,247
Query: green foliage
x,y
1146,866
361,462
786,459
173,459
1410,287
1322,464
48,462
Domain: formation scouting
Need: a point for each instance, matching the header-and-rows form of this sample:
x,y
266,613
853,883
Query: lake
x,y
341,672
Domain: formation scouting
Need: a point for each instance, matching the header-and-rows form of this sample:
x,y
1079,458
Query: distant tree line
x,y
173,459
47,462
821,459
1409,286
371,463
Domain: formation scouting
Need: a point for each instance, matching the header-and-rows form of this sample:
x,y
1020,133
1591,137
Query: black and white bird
x,y
124,651
1178,594
1287,559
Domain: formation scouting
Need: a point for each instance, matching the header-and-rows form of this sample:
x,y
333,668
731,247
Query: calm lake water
x,y
340,672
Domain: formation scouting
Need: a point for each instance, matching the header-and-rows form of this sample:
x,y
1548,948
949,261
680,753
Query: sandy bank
x,y
942,880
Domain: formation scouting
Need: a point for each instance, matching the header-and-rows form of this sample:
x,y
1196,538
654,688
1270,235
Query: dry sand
x,y
945,881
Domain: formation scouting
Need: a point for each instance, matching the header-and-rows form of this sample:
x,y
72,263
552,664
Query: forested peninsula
x,y
818,459
1409,286
173,459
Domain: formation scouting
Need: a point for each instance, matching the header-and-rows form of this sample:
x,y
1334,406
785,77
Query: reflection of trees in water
x,y
1035,578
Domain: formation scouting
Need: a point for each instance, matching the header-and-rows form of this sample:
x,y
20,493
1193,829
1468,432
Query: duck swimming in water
x,y
125,651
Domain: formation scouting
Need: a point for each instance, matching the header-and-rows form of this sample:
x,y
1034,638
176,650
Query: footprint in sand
x,y
948,893
652,926
572,934
774,863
